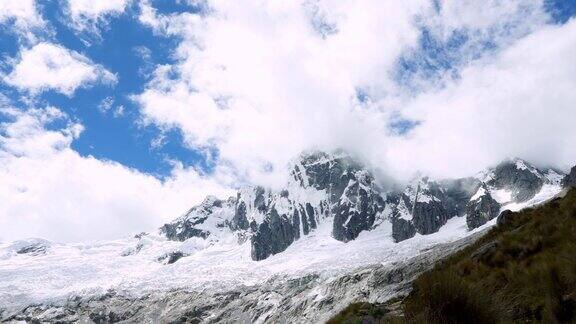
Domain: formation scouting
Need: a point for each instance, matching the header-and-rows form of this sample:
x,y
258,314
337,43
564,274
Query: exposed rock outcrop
x,y
402,229
274,235
570,179
172,257
520,178
481,208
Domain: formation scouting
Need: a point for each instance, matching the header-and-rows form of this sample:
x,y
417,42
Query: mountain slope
x,y
524,270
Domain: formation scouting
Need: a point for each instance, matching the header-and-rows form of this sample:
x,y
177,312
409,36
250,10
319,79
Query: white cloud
x,y
23,12
520,103
107,105
88,15
23,17
48,190
262,81
49,66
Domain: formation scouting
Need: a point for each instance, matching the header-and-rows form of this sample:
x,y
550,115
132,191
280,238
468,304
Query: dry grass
x,y
526,273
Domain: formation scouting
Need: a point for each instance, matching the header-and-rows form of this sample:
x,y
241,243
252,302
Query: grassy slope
x,y
521,271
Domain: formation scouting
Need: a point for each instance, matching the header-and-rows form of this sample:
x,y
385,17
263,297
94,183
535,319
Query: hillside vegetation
x,y
523,270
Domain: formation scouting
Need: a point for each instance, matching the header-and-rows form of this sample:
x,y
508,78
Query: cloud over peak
x,y
48,66
259,83
220,93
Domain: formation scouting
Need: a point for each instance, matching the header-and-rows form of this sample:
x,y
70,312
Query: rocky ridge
x,y
335,188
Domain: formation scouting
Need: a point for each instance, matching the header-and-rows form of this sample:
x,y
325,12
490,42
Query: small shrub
x,y
560,304
360,313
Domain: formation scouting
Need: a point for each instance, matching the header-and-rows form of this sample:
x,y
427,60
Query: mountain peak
x,y
333,189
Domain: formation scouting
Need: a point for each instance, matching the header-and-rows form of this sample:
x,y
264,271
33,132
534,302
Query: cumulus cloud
x,y
48,190
23,17
519,103
48,66
261,82
87,15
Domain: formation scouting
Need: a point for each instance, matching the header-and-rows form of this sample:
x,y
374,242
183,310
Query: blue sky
x,y
116,47
179,99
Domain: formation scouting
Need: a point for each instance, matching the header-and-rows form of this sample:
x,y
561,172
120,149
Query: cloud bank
x,y
48,190
261,82
442,87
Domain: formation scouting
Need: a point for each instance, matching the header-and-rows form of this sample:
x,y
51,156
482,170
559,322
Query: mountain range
x,y
336,189
334,234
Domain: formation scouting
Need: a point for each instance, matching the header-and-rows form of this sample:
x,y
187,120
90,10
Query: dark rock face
x,y
356,212
354,199
305,224
171,257
570,179
521,178
240,221
296,224
323,171
481,210
430,204
274,235
311,216
429,217
402,229
176,233
260,202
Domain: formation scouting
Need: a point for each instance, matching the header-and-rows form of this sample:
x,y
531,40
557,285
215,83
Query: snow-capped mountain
x,y
298,254
337,190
